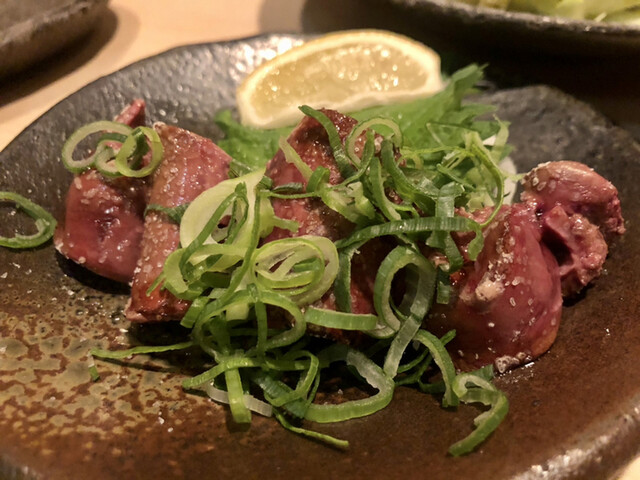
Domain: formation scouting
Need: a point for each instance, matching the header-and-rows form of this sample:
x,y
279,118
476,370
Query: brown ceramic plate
x,y
508,30
575,413
31,30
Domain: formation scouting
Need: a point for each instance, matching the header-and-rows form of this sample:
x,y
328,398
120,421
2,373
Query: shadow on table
x,y
60,64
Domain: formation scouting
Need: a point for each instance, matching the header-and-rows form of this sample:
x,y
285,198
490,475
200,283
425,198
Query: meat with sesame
x,y
103,223
506,306
191,165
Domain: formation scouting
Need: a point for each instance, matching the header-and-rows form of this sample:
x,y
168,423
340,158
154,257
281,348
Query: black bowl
x,y
31,30
482,27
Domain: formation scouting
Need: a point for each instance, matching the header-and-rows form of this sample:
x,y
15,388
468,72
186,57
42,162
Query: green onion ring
x,y
418,225
444,362
291,156
44,221
274,264
352,138
484,392
368,370
131,146
341,158
78,166
341,320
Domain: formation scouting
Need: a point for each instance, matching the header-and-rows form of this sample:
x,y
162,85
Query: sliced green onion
x,y
387,207
422,197
292,335
174,213
143,349
235,283
443,360
341,158
200,210
44,221
352,138
305,383
419,292
273,388
341,320
418,225
239,411
291,156
342,284
420,365
131,148
445,207
251,402
368,370
93,370
194,311
173,280
318,179
345,204
486,159
69,147
287,190
105,161
280,266
323,437
480,391
224,365
399,344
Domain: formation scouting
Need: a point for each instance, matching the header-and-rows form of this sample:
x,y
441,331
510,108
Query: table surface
x,y
134,30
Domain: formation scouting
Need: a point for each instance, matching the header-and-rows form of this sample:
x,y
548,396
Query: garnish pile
x,y
418,163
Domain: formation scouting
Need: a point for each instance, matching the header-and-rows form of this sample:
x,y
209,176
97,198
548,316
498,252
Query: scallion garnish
x,y
404,182
44,221
119,150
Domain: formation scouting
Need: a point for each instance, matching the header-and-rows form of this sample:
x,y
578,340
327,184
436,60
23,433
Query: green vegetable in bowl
x,y
622,11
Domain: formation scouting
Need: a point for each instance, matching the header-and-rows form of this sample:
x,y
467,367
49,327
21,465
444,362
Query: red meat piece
x,y
191,165
576,188
507,304
310,141
103,223
578,245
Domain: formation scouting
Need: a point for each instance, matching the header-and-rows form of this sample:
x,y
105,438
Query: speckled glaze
x,y
575,413
520,30
31,30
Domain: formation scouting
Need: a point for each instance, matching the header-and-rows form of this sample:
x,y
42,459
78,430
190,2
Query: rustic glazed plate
x,y
575,413
487,27
31,30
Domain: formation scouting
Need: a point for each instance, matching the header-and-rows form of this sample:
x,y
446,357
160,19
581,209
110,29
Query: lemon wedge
x,y
345,71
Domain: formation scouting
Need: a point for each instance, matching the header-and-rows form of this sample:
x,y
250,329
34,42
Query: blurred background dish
x,y
508,30
625,11
31,30
128,31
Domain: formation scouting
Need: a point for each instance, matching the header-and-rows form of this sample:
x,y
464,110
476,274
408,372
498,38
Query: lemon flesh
x,y
345,71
